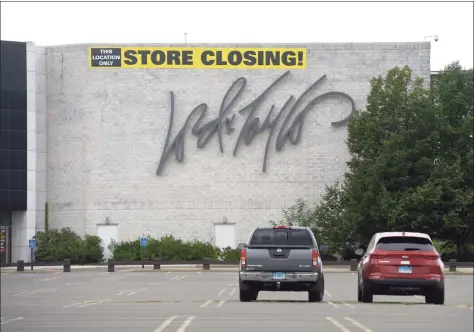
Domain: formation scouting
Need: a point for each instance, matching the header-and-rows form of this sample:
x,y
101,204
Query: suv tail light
x,y
374,255
243,258
314,257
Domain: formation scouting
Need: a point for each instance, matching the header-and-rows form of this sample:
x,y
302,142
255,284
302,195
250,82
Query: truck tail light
x,y
314,257
243,258
281,227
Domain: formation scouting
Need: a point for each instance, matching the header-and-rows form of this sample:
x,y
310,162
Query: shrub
x,y
93,251
230,254
57,245
165,248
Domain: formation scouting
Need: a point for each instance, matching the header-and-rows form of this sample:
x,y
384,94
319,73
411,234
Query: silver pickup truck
x,y
280,258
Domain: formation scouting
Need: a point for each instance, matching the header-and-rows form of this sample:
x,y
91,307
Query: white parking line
x,y
220,303
332,304
137,291
182,277
199,272
165,324
185,324
357,324
221,292
176,278
10,320
115,278
43,290
5,274
46,279
206,304
80,303
337,324
348,305
231,293
328,294
126,291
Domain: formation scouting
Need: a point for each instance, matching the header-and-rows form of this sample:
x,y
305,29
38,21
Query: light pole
x,y
186,34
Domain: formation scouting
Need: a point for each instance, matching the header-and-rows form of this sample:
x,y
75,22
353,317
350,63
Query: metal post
x,y
206,265
452,265
110,265
31,258
354,265
67,265
20,266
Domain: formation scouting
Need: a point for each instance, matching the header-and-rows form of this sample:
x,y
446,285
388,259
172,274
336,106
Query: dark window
x,y
17,120
4,119
5,139
18,160
5,200
4,179
18,200
17,180
281,237
4,159
18,140
404,243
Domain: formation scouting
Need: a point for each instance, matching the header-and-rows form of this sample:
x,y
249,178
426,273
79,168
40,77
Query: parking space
x,y
209,301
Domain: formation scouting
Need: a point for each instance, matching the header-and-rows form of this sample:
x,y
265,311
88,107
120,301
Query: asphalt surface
x,y
208,301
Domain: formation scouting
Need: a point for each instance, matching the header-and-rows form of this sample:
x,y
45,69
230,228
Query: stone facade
x,y
106,130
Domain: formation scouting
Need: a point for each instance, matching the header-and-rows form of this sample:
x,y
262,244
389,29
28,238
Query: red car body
x,y
401,263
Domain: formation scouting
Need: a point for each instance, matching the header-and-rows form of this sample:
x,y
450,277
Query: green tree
x,y
392,146
452,91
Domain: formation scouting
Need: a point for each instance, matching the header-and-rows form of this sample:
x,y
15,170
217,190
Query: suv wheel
x,y
316,292
360,293
436,296
366,293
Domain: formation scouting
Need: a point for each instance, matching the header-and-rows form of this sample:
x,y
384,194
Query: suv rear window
x,y
404,243
281,237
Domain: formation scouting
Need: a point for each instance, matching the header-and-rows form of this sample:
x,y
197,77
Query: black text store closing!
x,y
198,57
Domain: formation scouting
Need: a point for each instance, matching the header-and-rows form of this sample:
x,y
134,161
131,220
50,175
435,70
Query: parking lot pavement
x,y
209,301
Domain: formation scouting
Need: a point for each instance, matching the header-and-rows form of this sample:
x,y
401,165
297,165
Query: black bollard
x,y
20,266
110,265
67,265
354,265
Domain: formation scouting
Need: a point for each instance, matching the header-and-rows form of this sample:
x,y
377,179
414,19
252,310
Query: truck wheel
x,y
315,293
247,295
366,293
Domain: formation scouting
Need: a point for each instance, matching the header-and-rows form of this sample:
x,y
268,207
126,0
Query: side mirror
x,y
242,246
359,252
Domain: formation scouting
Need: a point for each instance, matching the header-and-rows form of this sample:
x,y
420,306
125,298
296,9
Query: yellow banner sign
x,y
197,57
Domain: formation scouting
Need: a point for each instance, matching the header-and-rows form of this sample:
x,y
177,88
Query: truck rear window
x,y
281,237
404,243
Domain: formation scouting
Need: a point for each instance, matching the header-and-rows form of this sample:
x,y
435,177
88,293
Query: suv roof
x,y
413,234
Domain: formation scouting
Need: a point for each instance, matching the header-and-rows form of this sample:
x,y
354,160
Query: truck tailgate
x,y
279,258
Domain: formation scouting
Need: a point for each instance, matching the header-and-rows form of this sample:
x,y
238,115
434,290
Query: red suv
x,y
400,263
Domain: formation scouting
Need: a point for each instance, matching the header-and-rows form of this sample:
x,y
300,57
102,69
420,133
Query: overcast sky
x,y
68,23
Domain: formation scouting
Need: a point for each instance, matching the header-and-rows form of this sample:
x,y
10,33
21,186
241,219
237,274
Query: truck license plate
x,y
278,276
405,269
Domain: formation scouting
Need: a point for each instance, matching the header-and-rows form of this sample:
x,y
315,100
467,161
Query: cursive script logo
x,y
252,126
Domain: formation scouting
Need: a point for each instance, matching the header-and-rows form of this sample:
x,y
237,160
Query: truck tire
x,y
247,295
315,293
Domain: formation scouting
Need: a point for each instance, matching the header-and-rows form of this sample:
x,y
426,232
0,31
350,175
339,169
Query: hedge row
x,y
171,249
56,245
